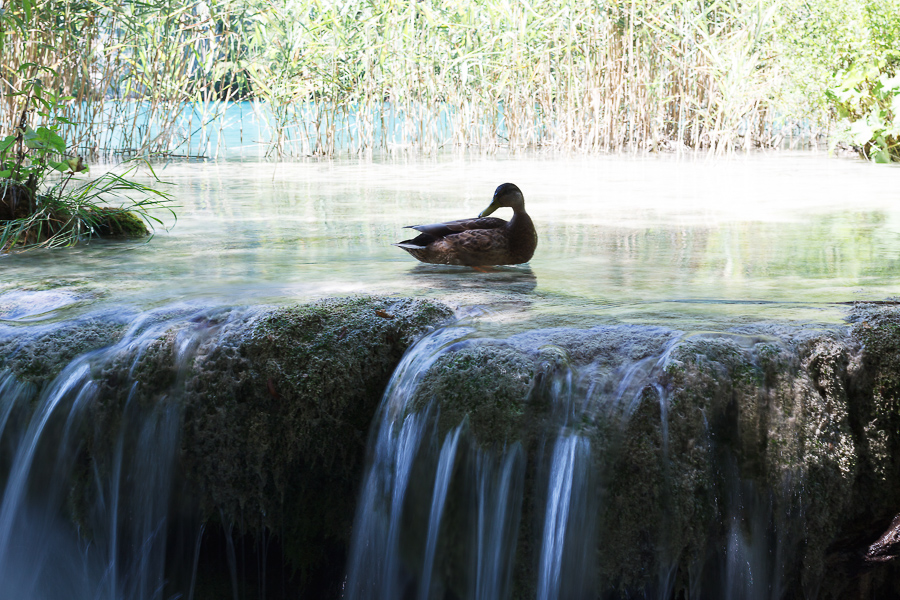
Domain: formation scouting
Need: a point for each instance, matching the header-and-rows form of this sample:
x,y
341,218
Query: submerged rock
x,y
110,222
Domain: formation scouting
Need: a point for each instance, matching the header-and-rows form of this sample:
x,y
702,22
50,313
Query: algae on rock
x,y
793,432
39,354
277,412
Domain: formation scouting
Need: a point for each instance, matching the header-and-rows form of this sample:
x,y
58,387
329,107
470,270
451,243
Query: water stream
x,y
67,531
656,247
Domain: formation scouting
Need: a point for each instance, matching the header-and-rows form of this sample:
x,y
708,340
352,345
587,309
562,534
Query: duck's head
x,y
506,194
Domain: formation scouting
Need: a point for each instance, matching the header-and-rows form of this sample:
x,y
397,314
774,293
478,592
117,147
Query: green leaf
x,y
52,139
882,157
5,174
45,103
62,167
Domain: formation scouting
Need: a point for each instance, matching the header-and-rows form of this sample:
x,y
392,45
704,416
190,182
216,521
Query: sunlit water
x,y
684,241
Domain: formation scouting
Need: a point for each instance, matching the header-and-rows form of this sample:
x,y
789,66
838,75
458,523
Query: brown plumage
x,y
480,242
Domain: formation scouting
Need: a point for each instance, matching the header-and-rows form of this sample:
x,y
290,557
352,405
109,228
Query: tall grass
x,y
131,69
326,76
575,76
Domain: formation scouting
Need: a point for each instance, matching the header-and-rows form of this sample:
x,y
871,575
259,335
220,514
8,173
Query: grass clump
x,y
60,218
37,211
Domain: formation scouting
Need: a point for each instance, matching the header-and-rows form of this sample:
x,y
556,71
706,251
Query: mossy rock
x,y
117,223
38,354
486,385
278,403
772,410
278,409
275,406
877,330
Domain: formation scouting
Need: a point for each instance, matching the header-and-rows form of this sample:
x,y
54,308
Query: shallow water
x,y
683,241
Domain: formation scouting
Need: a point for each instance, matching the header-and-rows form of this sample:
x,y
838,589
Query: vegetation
x,y
867,99
36,211
327,76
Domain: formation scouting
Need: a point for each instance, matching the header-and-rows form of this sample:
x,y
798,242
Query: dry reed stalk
x,y
328,76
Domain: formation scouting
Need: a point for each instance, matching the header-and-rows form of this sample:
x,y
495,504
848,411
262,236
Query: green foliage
x,y
39,213
65,216
29,154
866,98
332,76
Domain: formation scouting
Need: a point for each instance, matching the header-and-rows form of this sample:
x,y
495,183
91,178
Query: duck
x,y
480,242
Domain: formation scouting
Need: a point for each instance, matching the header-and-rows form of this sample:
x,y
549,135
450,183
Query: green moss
x,y
118,223
486,384
877,330
38,355
278,408
634,508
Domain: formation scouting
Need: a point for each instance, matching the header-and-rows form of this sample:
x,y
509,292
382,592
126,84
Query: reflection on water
x,y
518,279
652,239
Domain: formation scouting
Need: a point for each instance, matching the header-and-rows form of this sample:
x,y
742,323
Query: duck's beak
x,y
493,206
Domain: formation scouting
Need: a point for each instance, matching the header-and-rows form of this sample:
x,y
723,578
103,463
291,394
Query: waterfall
x,y
567,539
400,551
614,462
445,513
483,486
98,529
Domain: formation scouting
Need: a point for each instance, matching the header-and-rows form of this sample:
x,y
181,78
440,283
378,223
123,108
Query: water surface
x,y
683,241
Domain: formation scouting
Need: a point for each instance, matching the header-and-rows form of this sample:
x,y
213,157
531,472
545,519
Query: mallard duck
x,y
481,242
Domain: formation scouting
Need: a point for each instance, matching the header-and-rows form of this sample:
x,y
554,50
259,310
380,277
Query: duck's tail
x,y
408,245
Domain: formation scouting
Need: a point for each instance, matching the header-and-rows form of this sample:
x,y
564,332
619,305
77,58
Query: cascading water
x,y
619,461
76,529
405,444
567,540
557,487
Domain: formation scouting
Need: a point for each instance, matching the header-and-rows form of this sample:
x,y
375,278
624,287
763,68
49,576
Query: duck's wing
x,y
439,230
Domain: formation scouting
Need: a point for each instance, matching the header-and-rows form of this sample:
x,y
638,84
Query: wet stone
x,y
776,440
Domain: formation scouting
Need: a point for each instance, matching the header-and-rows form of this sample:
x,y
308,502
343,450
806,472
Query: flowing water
x,y
123,509
682,242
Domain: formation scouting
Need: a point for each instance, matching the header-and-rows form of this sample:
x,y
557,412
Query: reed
x,y
327,76
131,70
